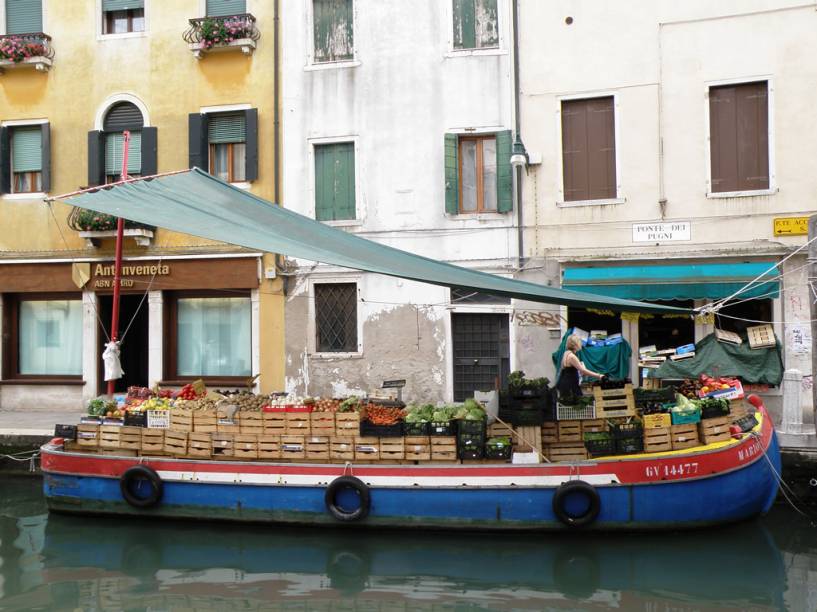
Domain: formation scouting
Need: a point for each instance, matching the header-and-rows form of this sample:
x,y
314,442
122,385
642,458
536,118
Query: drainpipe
x,y
519,155
276,124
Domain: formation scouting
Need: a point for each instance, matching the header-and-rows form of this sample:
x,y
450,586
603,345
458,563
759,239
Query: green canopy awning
x,y
195,203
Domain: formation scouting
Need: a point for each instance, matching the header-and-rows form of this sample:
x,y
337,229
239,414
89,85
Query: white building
x,y
672,134
387,107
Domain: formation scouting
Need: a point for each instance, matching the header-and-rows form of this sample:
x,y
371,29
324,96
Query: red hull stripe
x,y
636,469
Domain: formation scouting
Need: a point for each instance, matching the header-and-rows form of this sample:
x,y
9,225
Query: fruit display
x,y
103,406
326,405
689,388
248,401
382,415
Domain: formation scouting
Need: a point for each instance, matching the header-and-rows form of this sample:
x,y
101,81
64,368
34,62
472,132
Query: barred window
x,y
336,317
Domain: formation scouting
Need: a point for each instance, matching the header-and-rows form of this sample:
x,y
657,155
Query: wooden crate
x,y
657,421
657,440
567,451
317,447
88,435
550,434
528,438
181,419
153,441
367,448
293,447
109,436
205,420
761,336
275,423
499,430
715,430
417,448
245,446
269,447
392,449
684,436
298,423
175,442
200,445
322,423
570,431
226,420
614,402
443,448
342,448
653,384
118,452
739,408
251,422
593,425
222,445
130,438
347,424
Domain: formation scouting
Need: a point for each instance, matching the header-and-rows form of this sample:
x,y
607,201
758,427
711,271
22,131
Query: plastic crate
x,y
600,443
498,450
627,430
527,392
416,429
713,410
686,419
136,419
472,428
747,423
442,428
370,430
522,417
471,447
629,445
574,413
68,432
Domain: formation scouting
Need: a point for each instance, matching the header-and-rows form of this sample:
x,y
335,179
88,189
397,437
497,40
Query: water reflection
x,y
61,562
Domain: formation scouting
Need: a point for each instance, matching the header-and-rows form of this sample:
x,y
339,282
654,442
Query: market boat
x,y
718,483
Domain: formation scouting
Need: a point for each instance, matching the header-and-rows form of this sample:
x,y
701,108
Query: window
x,y
336,318
106,146
475,24
219,8
478,174
24,16
212,336
589,149
333,30
44,336
122,16
115,149
469,296
739,137
227,136
738,316
335,181
27,159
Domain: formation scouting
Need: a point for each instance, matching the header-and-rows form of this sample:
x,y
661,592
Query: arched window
x,y
106,146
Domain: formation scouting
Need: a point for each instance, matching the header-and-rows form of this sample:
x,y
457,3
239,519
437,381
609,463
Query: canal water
x,y
52,562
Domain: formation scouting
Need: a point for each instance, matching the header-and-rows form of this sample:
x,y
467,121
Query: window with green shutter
x,y
27,159
333,30
335,181
478,175
227,138
122,16
220,8
475,24
24,16
114,149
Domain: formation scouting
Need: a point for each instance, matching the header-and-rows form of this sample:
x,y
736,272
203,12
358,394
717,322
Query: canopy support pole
x,y
117,274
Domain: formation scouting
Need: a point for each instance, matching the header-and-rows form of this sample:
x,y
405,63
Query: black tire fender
x,y
348,482
141,472
573,487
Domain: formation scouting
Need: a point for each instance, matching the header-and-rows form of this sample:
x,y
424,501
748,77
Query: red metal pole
x,y
117,274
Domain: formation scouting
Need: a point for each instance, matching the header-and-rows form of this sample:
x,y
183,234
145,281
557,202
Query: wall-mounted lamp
x,y
519,156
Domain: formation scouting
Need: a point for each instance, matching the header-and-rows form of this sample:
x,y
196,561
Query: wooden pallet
x,y
550,434
532,436
570,431
715,430
614,402
657,440
684,436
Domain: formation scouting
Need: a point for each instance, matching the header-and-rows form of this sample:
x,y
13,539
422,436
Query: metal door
x,y
481,353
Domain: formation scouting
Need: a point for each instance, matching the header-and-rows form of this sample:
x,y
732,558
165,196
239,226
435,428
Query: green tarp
x,y
612,360
757,366
195,203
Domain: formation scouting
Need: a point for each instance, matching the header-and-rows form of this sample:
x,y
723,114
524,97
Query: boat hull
x,y
726,482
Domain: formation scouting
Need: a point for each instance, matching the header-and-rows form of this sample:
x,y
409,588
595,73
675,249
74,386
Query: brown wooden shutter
x,y
589,149
739,137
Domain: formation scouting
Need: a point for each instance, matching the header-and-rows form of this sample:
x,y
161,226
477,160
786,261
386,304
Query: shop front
x,y
181,318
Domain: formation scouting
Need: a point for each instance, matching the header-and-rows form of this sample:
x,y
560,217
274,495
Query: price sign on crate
x,y
158,419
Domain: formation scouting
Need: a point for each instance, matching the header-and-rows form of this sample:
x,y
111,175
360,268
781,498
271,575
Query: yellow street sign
x,y
791,226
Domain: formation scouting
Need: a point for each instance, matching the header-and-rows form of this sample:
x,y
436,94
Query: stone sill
x,y
143,237
39,63
246,45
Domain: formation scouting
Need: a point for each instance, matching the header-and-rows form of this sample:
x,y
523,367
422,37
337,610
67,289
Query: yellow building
x,y
194,83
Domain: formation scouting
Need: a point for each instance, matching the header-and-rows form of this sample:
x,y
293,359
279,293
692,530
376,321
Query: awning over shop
x,y
755,366
195,203
675,281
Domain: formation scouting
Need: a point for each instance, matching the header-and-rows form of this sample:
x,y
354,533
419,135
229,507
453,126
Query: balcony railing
x,y
19,50
224,33
94,226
